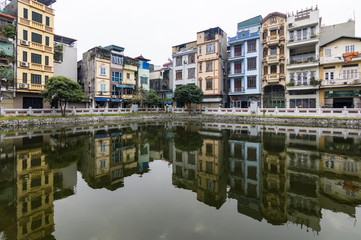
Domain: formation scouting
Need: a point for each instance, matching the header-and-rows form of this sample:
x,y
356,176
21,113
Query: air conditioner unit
x,y
23,86
24,64
24,42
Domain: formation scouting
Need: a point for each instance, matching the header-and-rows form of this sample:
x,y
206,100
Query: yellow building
x,y
273,61
340,73
212,182
34,183
35,50
130,70
95,76
212,66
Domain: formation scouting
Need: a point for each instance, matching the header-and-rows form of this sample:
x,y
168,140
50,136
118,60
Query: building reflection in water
x,y
280,177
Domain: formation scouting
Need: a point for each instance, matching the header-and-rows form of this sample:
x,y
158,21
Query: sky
x,y
151,27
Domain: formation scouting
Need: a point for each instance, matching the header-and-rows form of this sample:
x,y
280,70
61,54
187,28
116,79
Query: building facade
x,y
212,66
65,57
160,81
7,83
116,68
130,76
143,73
340,66
184,65
35,50
94,76
273,60
303,34
245,64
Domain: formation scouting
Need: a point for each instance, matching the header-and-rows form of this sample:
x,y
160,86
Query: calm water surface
x,y
180,181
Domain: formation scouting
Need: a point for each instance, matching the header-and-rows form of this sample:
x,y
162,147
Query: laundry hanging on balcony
x,y
347,57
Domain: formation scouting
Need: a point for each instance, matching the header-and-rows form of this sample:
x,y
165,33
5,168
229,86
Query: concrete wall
x,y
329,33
68,67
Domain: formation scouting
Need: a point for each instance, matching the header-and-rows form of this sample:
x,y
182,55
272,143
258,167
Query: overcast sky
x,y
152,27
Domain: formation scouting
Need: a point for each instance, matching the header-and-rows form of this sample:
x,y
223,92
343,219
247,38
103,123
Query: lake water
x,y
180,181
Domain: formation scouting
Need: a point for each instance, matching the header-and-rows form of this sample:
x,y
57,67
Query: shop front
x,y
342,98
244,101
102,102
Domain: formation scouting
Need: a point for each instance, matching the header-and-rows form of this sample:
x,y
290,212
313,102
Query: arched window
x,y
265,70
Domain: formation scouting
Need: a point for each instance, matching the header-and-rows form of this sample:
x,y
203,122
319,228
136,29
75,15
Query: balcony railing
x,y
307,58
343,81
302,37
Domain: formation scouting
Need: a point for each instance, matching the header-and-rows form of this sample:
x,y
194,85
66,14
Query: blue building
x,y
245,64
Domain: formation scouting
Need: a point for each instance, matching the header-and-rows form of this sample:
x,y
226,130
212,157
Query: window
x,y
200,84
200,50
209,66
47,60
178,75
25,35
292,76
209,84
329,75
238,67
144,80
36,38
35,79
210,48
25,56
116,77
25,78
47,42
299,34
238,50
178,61
273,50
191,73
349,48
200,67
117,60
292,34
328,52
102,164
251,63
102,71
25,13
313,31
36,58
47,21
37,17
265,70
251,46
350,74
191,58
102,87
273,69
128,75
46,79
238,85
251,82
304,33
209,152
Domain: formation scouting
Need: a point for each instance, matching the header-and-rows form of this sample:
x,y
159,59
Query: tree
x,y
8,31
188,94
139,96
188,140
152,97
62,90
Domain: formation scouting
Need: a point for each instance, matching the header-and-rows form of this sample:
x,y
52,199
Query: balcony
x,y
342,81
236,73
306,60
337,59
30,87
236,91
273,58
272,40
302,40
129,81
127,96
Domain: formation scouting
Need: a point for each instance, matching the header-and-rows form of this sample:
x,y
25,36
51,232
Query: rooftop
x,y
3,15
141,58
274,14
250,22
62,39
46,2
115,48
347,37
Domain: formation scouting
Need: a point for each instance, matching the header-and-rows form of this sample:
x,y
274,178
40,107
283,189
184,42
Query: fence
x,y
291,112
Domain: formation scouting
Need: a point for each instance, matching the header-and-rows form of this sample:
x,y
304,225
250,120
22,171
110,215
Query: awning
x,y
115,100
102,100
167,102
123,86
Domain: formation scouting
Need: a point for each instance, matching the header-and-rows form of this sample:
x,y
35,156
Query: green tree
x,y
7,74
152,97
188,94
139,96
62,90
8,31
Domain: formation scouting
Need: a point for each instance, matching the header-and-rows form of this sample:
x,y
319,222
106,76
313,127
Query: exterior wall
x,y
341,85
68,67
34,27
329,33
303,35
184,67
213,97
102,78
273,35
142,72
246,32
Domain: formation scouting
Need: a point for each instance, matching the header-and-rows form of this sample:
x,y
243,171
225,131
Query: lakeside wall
x,y
23,124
